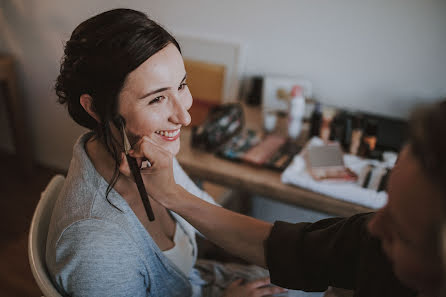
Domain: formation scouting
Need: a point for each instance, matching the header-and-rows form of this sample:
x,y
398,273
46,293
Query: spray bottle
x,y
296,112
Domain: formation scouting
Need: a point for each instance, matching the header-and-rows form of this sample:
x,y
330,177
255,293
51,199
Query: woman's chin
x,y
173,148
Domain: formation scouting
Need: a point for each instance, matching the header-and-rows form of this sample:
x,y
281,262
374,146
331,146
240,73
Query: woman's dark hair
x,y
427,131
100,54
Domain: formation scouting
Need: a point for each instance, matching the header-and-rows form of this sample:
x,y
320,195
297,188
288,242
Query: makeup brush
x,y
137,176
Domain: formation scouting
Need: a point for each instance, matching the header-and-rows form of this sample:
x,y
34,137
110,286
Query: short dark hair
x,y
97,59
427,135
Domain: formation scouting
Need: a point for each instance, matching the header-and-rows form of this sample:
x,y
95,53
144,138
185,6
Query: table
x,y
15,110
255,180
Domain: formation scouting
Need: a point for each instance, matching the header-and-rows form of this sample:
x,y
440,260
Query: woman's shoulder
x,y
91,234
92,253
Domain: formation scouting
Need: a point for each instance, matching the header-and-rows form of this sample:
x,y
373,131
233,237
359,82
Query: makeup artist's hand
x,y
257,288
158,178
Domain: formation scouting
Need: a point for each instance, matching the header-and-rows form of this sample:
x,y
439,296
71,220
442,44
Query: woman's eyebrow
x,y
160,89
154,92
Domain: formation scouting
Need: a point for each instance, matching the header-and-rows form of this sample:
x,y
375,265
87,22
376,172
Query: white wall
x,y
377,55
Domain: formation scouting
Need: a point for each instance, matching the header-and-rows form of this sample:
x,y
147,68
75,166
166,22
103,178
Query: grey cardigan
x,y
97,247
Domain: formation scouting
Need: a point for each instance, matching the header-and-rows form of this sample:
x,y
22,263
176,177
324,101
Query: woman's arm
x,y
238,234
241,235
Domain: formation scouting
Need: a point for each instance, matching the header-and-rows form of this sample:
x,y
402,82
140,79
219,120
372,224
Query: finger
x,y
147,148
124,166
267,291
259,283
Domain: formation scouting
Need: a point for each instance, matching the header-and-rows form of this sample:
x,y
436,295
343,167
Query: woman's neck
x,y
104,162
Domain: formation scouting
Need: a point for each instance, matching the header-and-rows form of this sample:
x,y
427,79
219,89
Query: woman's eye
x,y
182,86
156,100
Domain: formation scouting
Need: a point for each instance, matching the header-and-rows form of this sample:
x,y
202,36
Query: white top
x,y
182,254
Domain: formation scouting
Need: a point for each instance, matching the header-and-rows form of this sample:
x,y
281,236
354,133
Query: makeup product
x,y
337,127
377,175
371,133
137,175
263,151
255,94
391,133
236,147
348,128
363,174
368,177
315,121
296,112
222,123
327,117
383,183
283,157
356,137
269,121
327,162
369,139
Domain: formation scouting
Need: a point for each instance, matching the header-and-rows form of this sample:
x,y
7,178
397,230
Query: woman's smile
x,y
168,135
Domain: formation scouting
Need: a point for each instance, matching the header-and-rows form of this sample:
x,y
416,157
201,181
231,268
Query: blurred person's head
x,y
409,226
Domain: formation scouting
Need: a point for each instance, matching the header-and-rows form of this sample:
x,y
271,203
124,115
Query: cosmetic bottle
x,y
348,128
327,117
369,139
337,127
370,136
315,120
296,112
356,136
269,121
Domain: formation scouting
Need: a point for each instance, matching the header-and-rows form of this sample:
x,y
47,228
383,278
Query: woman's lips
x,y
169,135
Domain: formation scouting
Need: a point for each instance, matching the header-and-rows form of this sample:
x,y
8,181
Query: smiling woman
x,y
121,70
155,99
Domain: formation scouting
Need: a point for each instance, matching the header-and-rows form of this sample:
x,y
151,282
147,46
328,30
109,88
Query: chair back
x,y
38,234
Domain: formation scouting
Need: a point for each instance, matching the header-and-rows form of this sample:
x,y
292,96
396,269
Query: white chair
x,y
38,233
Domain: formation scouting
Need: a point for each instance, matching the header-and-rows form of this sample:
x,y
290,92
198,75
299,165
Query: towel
x,y
297,174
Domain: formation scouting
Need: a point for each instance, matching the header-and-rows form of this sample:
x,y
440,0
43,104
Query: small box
x,y
327,162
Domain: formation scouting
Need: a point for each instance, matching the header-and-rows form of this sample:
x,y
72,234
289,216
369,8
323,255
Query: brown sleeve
x,y
312,256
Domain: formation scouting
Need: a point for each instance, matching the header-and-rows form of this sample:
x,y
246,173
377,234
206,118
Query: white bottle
x,y
296,112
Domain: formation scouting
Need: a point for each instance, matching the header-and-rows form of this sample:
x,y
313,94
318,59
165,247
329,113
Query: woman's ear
x,y
87,103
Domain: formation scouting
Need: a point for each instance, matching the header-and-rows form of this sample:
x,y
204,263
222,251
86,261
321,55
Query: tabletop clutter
x,y
345,155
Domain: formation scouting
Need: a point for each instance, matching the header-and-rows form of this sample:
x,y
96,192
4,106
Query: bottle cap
x,y
296,91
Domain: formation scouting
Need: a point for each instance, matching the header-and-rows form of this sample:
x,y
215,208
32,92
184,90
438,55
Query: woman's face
x,y
155,99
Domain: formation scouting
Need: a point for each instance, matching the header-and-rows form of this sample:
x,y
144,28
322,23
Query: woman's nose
x,y
180,114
